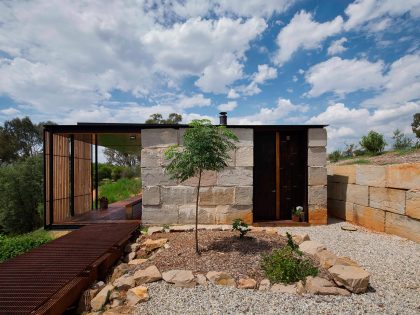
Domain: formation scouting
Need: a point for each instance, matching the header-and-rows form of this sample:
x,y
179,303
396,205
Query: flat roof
x,y
86,127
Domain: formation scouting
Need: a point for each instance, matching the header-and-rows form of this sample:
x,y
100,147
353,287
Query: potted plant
x,y
103,202
297,214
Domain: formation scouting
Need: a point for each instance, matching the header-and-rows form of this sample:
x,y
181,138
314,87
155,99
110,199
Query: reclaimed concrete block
x,y
232,158
151,195
155,176
340,209
244,156
387,199
317,195
412,203
206,214
357,194
212,196
317,137
181,133
341,174
235,176
337,191
317,176
226,214
208,178
178,195
317,215
368,217
245,136
403,226
403,176
317,156
161,137
164,214
243,195
371,175
151,157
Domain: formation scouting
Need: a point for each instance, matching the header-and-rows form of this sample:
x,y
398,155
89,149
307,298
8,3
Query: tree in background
x,y
415,126
206,147
401,141
173,118
121,158
373,143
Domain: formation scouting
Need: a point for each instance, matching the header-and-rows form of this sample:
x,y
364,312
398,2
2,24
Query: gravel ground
x,y
394,264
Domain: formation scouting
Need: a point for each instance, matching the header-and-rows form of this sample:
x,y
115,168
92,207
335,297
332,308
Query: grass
x,y
11,246
357,161
121,189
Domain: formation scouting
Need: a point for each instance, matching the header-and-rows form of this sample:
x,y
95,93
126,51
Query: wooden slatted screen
x,y
82,177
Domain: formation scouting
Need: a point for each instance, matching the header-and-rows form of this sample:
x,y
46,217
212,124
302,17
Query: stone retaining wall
x,y
224,196
381,198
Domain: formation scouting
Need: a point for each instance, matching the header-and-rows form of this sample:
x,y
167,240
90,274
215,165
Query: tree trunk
x,y
197,250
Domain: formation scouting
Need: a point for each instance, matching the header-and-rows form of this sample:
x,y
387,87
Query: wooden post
x,y
72,175
51,177
277,175
96,172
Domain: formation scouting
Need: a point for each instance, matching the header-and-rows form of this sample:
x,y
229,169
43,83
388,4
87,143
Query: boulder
x,y
326,258
321,286
150,245
119,271
201,279
154,229
345,261
85,299
137,295
354,279
101,298
247,283
300,238
181,278
150,274
123,309
281,288
311,247
137,261
131,248
264,285
124,282
142,253
130,256
221,278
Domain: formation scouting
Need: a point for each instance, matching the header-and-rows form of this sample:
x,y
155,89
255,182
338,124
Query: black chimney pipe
x,y
223,118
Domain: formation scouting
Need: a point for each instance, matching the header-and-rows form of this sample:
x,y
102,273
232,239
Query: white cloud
x,y
10,111
264,73
197,100
232,94
227,107
337,46
303,32
342,76
374,13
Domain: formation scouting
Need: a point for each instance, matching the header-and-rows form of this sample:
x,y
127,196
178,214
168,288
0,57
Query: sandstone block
x,y
317,137
371,175
340,209
243,195
124,282
151,195
213,196
181,278
232,158
317,215
357,194
137,261
387,199
245,136
150,245
412,203
317,195
317,176
402,226
208,178
321,286
342,174
237,176
247,283
150,274
161,137
152,157
155,176
317,156
345,261
137,295
206,215
119,271
326,258
300,238
221,278
101,298
368,217
354,279
164,214
178,195
403,176
281,288
226,214
264,285
311,247
244,156
201,279
337,191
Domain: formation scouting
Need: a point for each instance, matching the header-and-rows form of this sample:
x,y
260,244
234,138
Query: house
x,y
274,169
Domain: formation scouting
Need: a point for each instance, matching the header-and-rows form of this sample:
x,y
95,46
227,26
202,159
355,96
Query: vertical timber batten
x,y
51,176
277,175
96,172
72,175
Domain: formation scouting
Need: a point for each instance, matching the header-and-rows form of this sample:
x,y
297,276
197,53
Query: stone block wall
x,y
382,198
317,176
224,196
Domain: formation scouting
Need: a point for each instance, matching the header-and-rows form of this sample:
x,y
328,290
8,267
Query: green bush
x,y
287,265
122,189
401,141
21,194
373,143
241,226
11,246
104,171
334,156
117,172
130,172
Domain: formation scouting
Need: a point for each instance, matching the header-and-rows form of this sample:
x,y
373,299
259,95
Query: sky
x,y
354,65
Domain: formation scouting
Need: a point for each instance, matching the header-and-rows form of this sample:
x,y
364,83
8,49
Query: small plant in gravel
x,y
241,226
143,229
287,265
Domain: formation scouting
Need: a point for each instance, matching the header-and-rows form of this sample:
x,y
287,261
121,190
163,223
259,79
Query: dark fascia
x,y
136,128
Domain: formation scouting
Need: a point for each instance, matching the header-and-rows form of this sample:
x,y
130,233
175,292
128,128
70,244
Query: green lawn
x,y
11,246
121,189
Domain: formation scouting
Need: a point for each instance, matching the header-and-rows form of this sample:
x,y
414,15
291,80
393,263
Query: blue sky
x,y
354,65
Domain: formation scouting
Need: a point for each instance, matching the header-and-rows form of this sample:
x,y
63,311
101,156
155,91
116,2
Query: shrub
x,y
104,171
21,194
334,156
120,190
117,172
11,246
130,172
373,143
241,226
401,142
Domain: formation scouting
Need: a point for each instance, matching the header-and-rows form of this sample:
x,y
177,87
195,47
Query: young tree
x,y
373,143
415,126
206,147
173,119
401,142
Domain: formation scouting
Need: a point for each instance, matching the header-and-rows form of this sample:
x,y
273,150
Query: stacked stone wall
x,y
224,196
381,198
